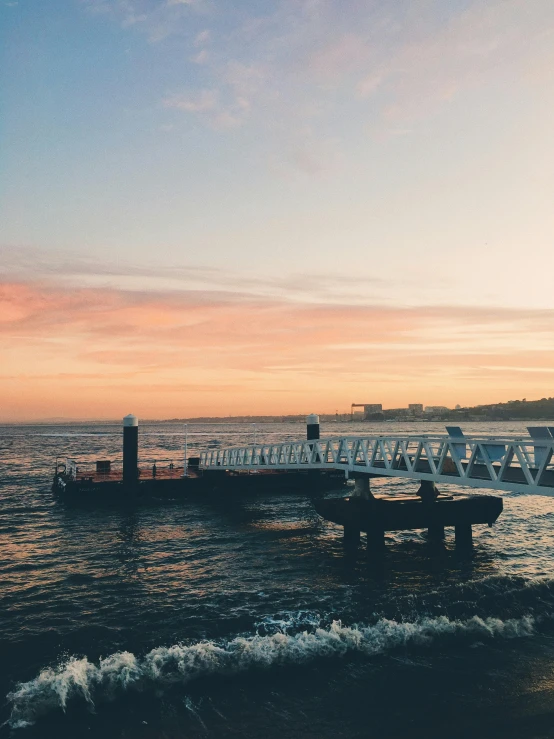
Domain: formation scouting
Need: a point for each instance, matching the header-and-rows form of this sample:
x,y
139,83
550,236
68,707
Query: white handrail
x,y
506,463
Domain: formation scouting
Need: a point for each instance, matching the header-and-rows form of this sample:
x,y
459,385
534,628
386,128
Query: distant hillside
x,y
513,410
234,419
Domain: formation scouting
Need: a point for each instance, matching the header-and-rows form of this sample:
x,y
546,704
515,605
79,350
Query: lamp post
x,y
185,471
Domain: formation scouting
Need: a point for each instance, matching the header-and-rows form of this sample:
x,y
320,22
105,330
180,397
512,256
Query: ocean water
x,y
244,617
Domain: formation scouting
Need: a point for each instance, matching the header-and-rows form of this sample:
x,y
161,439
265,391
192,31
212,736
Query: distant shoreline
x,y
272,420
514,410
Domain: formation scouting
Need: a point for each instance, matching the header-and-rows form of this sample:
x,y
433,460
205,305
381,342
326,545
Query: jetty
x,y
134,478
498,463
376,515
315,466
510,464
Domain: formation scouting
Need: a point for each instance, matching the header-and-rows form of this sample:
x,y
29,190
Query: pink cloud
x,y
247,331
101,350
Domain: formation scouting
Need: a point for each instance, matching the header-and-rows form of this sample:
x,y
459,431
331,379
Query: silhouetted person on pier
x,y
154,470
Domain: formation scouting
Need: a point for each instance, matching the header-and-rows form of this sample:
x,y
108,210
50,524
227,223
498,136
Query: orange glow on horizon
x,y
100,352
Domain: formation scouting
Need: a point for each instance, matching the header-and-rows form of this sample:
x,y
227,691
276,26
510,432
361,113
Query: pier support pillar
x,y
375,541
312,427
435,532
315,481
312,434
362,488
130,450
463,536
428,491
351,537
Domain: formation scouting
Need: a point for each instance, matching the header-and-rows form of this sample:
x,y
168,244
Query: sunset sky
x,y
214,207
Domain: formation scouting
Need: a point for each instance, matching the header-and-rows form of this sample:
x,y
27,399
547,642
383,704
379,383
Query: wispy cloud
x,y
207,103
19,265
29,308
204,101
265,345
283,65
157,19
203,37
389,66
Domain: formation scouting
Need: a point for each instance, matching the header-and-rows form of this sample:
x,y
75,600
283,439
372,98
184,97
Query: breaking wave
x,y
82,680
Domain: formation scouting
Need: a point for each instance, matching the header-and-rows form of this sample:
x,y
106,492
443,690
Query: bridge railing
x,y
503,463
147,469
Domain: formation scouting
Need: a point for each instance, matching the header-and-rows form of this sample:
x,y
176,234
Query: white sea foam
x,y
289,622
79,679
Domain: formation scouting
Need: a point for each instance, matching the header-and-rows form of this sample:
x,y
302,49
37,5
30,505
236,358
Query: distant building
x,y
397,412
415,409
373,407
370,409
436,409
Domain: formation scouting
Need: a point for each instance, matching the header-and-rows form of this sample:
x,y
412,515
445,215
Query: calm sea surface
x,y
243,617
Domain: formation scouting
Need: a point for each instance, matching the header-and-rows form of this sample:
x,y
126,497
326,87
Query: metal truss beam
x,y
509,464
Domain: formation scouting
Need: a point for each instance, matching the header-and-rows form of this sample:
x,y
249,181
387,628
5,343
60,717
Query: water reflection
x,y
129,535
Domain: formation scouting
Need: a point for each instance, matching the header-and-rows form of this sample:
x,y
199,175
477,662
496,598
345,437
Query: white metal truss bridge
x,y
508,464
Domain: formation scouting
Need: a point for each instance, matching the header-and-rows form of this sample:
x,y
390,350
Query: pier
x,y
314,466
377,515
134,477
497,463
510,464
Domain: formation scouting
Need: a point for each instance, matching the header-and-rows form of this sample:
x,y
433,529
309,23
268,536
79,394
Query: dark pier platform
x,y
377,515
170,483
239,472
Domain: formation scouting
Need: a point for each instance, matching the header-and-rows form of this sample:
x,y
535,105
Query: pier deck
x,y
317,465
379,514
144,473
499,463
82,484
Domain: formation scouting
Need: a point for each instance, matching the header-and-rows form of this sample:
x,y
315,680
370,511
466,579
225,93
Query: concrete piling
x,y
463,534
351,537
130,450
312,427
312,434
375,540
428,491
435,532
362,488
